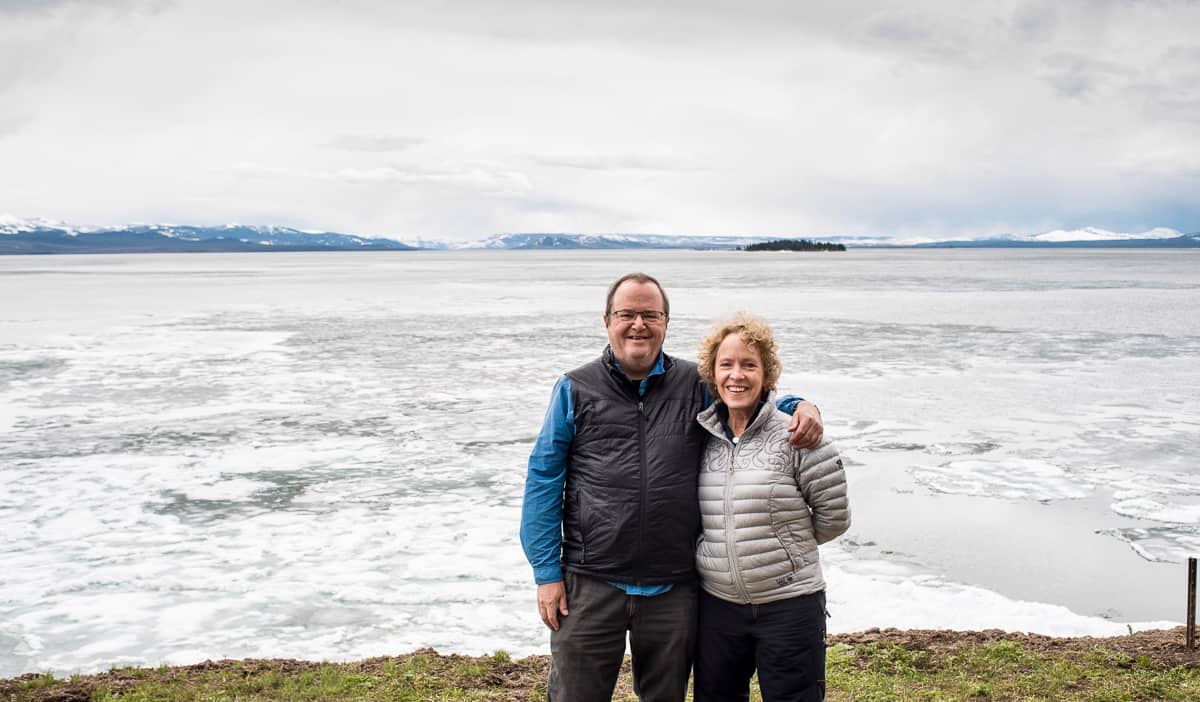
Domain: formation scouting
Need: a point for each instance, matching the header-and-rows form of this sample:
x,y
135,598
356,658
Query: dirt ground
x,y
1163,647
515,680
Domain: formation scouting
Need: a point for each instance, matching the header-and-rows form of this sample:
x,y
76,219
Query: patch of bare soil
x,y
1162,647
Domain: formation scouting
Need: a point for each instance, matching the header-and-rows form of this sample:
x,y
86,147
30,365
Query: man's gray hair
x,y
637,278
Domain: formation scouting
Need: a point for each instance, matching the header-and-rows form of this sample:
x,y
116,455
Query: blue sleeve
x,y
541,510
787,403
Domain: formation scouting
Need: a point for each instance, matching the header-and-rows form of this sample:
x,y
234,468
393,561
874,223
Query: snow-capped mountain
x,y
14,225
1088,237
1097,234
564,240
46,236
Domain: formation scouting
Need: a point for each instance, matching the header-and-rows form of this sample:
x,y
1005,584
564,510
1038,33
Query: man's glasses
x,y
648,316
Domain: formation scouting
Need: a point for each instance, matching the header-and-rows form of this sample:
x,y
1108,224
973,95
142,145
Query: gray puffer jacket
x,y
764,507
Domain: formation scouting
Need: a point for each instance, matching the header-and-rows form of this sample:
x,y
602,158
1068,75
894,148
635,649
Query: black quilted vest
x,y
630,511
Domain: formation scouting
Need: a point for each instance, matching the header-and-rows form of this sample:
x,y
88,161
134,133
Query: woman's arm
x,y
822,482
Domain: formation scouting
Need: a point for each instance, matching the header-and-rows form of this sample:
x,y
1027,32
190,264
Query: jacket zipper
x,y
730,527
583,526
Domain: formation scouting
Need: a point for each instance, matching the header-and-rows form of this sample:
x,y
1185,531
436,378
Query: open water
x,y
322,455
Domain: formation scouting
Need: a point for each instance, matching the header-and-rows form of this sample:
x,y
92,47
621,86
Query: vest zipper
x,y
645,498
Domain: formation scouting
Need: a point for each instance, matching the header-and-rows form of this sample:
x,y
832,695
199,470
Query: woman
x,y
765,506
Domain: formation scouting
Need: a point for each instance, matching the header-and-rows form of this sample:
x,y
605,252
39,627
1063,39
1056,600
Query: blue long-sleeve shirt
x,y
546,477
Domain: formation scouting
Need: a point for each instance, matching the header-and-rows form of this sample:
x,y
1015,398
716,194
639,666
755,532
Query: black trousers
x,y
784,640
587,650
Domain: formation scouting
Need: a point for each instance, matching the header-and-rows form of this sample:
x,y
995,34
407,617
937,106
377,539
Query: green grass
x,y
948,669
1001,671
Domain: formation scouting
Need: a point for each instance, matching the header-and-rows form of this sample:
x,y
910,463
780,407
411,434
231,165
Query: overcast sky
x,y
458,120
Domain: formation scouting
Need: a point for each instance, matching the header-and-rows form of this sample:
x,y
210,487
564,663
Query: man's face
x,y
636,343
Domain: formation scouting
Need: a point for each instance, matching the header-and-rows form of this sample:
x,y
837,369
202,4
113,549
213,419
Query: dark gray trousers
x,y
587,650
784,641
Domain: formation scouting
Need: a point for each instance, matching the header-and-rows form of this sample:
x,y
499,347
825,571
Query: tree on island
x,y
793,245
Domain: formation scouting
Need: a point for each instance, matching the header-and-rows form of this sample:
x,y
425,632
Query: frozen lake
x,y
322,455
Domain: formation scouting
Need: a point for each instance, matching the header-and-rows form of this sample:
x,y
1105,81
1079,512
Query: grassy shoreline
x,y
873,665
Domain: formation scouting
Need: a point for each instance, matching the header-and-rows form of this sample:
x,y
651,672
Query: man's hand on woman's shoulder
x,y
806,429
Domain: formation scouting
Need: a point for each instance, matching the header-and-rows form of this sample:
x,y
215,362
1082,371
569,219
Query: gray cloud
x,y
17,67
29,6
1035,22
1167,85
12,121
581,209
1171,88
35,7
373,142
662,26
636,162
910,36
476,179
1079,75
473,178
40,37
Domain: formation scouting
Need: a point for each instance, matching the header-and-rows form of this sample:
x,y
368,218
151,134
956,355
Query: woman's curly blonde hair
x,y
756,334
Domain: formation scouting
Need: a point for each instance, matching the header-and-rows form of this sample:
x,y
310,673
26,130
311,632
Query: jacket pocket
x,y
796,560
787,523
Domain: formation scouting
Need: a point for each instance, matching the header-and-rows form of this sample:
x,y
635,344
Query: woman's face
x,y
739,374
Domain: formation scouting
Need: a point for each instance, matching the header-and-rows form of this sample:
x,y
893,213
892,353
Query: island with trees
x,y
794,245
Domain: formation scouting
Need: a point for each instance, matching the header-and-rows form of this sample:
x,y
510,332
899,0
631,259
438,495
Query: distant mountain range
x,y
1089,237
37,236
43,237
605,241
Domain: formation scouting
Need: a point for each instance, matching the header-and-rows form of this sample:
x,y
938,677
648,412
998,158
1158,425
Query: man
x,y
610,498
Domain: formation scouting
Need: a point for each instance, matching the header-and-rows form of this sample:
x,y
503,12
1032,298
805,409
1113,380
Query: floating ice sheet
x,y
1011,478
1162,544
